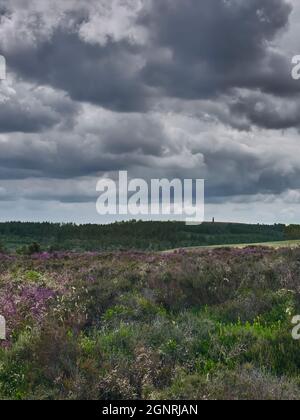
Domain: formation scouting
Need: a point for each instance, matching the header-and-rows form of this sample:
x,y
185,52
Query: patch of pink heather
x,y
23,305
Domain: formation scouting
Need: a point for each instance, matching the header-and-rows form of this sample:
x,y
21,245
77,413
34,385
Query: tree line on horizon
x,y
137,235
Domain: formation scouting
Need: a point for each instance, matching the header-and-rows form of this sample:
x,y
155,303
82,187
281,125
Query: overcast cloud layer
x,y
162,88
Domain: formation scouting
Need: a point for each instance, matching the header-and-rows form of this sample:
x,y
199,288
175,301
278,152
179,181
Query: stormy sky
x,y
161,88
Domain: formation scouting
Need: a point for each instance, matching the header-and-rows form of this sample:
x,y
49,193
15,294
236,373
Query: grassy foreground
x,y
276,245
207,324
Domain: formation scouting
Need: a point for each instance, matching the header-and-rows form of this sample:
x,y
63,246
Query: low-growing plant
x,y
128,325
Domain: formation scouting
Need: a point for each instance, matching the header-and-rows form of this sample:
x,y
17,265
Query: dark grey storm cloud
x,y
163,88
217,45
101,75
28,110
267,111
211,46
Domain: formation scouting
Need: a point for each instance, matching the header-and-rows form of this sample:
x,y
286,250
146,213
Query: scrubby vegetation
x,y
135,235
128,325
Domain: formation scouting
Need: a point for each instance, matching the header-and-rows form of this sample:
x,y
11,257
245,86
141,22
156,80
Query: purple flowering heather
x,y
23,305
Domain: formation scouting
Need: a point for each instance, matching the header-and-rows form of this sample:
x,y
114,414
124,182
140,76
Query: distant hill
x,y
137,235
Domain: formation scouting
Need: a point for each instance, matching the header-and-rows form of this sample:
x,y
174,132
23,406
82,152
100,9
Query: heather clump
x,y
198,324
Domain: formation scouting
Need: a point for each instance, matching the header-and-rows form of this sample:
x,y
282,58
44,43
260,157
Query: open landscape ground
x,y
200,324
276,245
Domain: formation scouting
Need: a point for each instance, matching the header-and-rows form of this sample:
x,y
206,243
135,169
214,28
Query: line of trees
x,y
292,232
135,235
